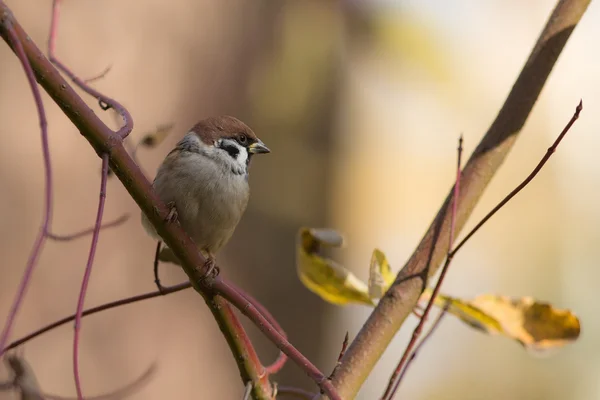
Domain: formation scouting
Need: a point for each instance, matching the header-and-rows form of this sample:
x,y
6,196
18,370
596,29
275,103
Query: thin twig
x,y
6,25
85,232
529,178
339,359
394,379
502,203
156,264
105,102
87,274
103,307
425,339
492,151
99,76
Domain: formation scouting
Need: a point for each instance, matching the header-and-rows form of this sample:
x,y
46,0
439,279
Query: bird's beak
x,y
258,148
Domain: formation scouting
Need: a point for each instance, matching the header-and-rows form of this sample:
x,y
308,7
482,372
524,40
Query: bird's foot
x,y
212,270
172,216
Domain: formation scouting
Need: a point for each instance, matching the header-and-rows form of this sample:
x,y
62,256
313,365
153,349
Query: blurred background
x,y
362,106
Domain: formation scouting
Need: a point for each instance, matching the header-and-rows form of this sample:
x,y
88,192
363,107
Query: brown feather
x,y
211,129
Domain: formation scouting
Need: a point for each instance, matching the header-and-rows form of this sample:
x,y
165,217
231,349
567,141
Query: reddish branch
x,y
89,231
100,308
12,37
215,291
87,274
529,178
422,343
104,101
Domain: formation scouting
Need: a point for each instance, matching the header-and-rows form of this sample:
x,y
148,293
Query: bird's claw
x,y
212,270
172,216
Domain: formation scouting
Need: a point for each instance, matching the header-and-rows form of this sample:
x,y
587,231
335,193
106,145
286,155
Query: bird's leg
x,y
156,278
172,216
212,270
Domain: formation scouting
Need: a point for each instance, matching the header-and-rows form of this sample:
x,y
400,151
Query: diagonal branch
x,y
104,140
398,302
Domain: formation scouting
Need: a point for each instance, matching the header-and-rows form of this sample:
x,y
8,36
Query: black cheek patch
x,y
231,149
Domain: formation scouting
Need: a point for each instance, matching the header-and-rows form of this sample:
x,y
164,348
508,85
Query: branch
x,y
425,339
398,302
87,274
10,32
89,231
94,310
104,140
105,102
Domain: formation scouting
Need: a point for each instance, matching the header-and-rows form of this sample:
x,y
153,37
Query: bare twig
x,y
100,308
9,33
89,231
99,76
87,275
398,302
422,343
394,379
25,381
512,194
104,101
529,178
339,360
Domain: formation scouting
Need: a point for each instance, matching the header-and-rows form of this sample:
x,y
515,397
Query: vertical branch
x,y
7,29
399,301
87,274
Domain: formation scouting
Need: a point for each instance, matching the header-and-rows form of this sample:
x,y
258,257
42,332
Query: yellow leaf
x,y
380,275
323,276
538,326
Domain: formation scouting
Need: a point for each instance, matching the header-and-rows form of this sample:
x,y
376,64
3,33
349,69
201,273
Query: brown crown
x,y
213,128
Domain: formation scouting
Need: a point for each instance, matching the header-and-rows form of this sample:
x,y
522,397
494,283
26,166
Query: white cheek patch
x,y
242,155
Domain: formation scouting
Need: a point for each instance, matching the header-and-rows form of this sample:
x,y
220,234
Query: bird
x,y
204,182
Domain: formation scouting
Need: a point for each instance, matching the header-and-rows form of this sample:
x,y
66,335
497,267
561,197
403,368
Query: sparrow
x,y
204,181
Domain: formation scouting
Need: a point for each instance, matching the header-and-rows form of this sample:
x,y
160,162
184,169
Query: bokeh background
x,y
362,105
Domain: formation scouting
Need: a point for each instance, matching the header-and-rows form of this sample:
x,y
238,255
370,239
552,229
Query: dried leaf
x,y
323,276
538,326
380,275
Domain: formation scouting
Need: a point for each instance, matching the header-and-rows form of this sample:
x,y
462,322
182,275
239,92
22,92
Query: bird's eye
x,y
242,138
